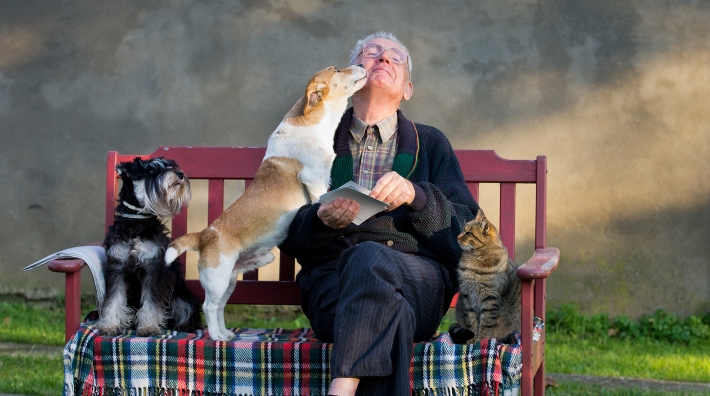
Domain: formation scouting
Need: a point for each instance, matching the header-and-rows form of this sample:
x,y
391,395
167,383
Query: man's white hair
x,y
385,35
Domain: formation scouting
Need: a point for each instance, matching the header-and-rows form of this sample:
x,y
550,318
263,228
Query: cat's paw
x,y
508,339
459,334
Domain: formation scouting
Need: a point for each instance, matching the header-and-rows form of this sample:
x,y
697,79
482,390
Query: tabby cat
x,y
489,299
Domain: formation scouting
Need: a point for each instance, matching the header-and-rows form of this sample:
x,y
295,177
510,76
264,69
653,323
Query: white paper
x,y
95,259
368,206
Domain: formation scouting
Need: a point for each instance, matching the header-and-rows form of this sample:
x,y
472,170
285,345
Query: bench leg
x,y
526,385
540,307
72,303
539,381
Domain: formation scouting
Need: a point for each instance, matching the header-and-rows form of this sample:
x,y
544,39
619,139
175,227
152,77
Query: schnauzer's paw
x,y
147,331
110,329
460,335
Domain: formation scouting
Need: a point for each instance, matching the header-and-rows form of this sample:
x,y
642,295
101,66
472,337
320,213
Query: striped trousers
x,y
373,304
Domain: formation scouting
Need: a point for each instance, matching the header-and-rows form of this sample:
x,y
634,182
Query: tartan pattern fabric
x,y
373,149
268,362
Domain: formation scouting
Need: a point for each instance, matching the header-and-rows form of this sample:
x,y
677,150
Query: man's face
x,y
386,74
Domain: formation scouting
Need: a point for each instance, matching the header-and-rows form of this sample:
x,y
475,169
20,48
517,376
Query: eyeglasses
x,y
373,50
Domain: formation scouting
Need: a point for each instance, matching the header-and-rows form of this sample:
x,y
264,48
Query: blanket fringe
x,y
89,390
472,390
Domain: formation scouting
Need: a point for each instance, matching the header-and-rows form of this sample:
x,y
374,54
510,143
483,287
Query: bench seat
x,y
269,362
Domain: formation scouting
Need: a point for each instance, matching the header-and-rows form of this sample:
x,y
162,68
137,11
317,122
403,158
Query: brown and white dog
x,y
295,171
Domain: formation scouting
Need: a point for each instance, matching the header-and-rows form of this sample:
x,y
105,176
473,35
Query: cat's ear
x,y
486,226
480,216
490,230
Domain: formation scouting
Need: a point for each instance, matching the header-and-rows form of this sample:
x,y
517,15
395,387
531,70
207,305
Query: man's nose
x,y
384,56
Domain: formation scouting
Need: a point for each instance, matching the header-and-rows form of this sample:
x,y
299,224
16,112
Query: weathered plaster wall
x,y
614,93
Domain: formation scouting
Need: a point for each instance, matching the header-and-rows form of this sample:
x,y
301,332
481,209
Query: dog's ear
x,y
315,93
131,169
121,169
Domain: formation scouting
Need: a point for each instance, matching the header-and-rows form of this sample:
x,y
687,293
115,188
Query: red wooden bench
x,y
217,164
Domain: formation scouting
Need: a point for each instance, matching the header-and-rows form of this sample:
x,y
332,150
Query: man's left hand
x,y
394,190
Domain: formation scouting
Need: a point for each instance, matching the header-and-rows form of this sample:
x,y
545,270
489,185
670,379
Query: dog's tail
x,y
180,245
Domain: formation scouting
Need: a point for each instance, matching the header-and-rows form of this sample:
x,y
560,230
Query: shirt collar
x,y
386,127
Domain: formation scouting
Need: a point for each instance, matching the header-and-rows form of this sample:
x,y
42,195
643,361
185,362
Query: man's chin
x,y
380,80
380,73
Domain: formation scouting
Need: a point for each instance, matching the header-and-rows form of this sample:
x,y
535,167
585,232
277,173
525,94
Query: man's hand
x,y
394,190
339,213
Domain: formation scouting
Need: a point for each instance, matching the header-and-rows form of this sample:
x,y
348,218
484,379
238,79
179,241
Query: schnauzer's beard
x,y
165,195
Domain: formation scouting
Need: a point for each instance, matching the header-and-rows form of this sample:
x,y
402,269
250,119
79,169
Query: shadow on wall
x,y
636,265
614,93
617,102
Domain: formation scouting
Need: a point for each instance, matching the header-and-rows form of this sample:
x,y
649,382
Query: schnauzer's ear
x,y
121,169
131,169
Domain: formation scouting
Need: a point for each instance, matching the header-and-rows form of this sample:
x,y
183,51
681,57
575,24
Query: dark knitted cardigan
x,y
442,204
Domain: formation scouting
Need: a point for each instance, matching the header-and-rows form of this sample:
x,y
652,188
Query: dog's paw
x,y
109,329
315,190
227,334
460,335
147,331
219,336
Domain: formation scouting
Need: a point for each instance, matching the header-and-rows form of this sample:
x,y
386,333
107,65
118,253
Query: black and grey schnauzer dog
x,y
141,292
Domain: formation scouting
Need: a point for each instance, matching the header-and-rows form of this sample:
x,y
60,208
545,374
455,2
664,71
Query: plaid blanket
x,y
268,362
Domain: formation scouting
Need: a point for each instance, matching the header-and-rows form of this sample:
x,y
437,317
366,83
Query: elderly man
x,y
375,289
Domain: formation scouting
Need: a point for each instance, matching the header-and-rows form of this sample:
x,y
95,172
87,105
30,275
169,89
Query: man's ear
x,y
408,91
314,95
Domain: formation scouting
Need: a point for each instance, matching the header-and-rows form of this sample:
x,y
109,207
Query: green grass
x,y
31,375
576,389
628,358
30,325
577,351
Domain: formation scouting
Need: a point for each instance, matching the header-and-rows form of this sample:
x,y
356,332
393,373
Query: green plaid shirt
x,y
373,148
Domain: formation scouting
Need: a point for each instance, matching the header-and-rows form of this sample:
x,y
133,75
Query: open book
x,y
368,206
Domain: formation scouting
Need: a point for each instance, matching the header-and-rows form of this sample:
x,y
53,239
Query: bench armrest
x,y
541,264
67,265
72,289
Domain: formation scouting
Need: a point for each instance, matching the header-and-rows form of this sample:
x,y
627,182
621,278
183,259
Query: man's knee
x,y
366,256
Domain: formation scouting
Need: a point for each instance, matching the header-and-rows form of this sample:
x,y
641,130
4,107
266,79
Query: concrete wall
x,y
615,93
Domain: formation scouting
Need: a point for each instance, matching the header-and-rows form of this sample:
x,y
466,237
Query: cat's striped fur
x,y
489,300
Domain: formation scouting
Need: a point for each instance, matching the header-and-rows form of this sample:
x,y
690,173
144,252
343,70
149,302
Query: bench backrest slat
x,y
217,164
507,217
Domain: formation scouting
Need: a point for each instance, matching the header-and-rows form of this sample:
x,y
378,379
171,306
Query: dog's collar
x,y
138,215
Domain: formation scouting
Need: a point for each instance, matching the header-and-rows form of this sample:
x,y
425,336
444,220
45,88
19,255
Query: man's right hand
x,y
339,213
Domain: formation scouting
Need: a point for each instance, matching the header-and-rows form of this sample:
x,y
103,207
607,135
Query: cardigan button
x,y
390,243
